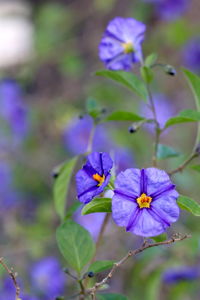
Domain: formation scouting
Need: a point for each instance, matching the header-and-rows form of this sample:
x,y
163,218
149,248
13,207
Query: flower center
x,y
144,201
128,47
99,179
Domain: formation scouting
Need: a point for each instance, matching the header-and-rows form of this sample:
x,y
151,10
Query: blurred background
x,y
48,56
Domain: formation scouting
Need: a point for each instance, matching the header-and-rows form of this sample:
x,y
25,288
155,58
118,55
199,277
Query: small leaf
x,y
164,152
189,204
188,115
123,116
100,266
61,186
195,167
97,205
151,59
111,297
159,238
75,244
147,74
128,80
72,209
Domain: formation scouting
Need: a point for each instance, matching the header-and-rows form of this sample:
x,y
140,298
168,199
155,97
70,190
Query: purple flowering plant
x,y
142,200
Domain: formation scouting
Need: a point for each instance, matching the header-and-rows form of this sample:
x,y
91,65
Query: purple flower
x,y
8,196
48,278
121,43
182,273
191,55
169,10
144,201
12,108
163,107
77,135
94,176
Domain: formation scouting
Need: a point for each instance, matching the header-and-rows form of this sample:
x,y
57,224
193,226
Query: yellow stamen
x,y
99,179
144,201
128,47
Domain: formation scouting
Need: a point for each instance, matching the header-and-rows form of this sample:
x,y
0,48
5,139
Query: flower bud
x,y
170,70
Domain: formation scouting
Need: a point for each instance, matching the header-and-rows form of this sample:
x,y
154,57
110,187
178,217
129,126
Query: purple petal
x,y
122,210
128,182
147,225
101,162
156,180
86,186
167,207
143,182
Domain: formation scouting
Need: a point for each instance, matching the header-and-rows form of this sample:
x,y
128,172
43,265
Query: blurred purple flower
x,y
94,176
7,290
163,107
77,135
120,46
12,108
91,222
8,195
182,273
169,10
48,279
76,138
144,201
191,55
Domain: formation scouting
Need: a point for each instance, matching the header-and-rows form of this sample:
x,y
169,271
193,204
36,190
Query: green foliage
x,y
72,209
184,116
100,266
189,204
159,238
75,244
111,297
151,60
123,116
195,167
194,83
147,74
61,186
97,205
164,152
127,79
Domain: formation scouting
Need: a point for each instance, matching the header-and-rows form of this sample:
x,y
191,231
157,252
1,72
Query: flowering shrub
x,y
138,200
145,201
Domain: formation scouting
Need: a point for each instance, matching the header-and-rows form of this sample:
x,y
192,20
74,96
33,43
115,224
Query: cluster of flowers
x,y
144,201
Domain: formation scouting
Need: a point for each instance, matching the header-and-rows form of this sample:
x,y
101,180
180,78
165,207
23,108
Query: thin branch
x,y
157,126
132,253
184,164
13,277
103,228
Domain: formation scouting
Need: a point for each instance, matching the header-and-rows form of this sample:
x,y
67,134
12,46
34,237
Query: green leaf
x,y
151,59
185,116
72,209
123,116
159,238
194,83
100,266
195,167
189,204
164,152
75,244
128,80
147,74
97,205
111,297
61,186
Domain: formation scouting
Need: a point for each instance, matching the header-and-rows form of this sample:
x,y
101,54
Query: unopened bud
x,y
170,70
132,129
90,274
